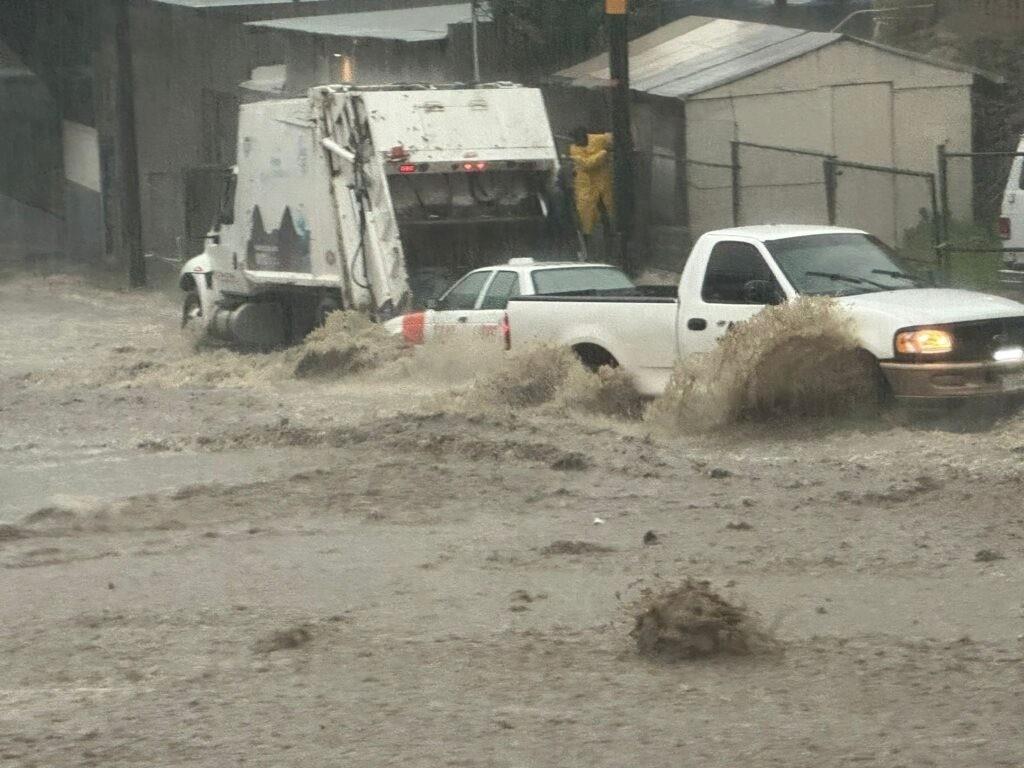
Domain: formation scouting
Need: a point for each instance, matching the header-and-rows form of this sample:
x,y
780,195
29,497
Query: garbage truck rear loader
x,y
371,198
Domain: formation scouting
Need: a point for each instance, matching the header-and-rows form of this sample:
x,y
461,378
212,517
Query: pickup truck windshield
x,y
575,279
839,265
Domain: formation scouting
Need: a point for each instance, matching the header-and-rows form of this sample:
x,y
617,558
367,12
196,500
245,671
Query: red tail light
x,y
412,327
506,331
1004,228
474,167
407,168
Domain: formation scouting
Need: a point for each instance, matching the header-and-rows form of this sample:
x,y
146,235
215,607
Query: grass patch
x,y
971,268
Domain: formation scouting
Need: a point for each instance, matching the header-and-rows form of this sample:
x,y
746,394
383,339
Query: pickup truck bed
x,y
634,328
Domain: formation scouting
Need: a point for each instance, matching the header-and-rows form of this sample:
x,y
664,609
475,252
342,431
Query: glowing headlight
x,y
927,341
1008,355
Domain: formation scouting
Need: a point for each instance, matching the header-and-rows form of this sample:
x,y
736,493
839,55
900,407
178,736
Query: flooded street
x,y
206,561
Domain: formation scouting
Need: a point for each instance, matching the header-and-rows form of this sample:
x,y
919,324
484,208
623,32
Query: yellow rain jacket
x,y
592,178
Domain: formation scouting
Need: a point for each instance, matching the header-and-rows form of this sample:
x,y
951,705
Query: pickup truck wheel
x,y
594,357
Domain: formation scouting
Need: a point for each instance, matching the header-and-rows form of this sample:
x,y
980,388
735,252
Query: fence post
x,y
937,239
944,193
737,200
830,189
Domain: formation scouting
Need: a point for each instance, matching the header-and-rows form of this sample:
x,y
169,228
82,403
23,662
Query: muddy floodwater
x,y
205,560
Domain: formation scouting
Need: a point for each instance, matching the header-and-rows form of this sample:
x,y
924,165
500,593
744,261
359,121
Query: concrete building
x,y
701,84
425,44
32,203
188,59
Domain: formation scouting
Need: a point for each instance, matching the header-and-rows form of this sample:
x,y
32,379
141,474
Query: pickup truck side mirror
x,y
760,292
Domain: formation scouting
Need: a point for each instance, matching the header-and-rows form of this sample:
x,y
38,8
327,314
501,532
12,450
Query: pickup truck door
x,y
503,286
456,310
735,282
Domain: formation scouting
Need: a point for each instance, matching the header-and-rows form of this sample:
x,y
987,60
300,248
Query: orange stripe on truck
x,y
412,327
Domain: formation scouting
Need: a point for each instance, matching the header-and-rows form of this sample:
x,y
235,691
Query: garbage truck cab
x,y
372,199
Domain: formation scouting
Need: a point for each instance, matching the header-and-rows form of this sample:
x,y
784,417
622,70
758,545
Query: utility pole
x,y
476,41
115,122
616,15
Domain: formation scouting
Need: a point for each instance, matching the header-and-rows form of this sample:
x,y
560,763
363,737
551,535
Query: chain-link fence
x,y
982,217
774,184
896,204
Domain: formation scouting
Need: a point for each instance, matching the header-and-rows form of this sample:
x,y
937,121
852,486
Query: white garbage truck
x,y
372,199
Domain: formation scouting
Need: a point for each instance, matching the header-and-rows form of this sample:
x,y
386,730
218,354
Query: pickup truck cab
x,y
476,303
928,342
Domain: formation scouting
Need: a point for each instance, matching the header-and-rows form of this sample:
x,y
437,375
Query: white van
x,y
1011,223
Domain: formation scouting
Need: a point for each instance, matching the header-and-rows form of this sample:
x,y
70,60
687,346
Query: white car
x,y
476,303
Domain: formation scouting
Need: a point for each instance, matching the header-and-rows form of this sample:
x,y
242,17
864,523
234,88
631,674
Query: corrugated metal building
x,y
30,184
701,84
425,44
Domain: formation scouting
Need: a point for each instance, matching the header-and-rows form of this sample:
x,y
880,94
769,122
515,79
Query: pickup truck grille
x,y
976,341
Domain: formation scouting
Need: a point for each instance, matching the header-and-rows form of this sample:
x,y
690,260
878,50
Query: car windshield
x,y
574,279
839,264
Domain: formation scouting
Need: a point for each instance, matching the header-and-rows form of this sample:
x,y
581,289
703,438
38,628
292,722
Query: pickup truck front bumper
x,y
931,381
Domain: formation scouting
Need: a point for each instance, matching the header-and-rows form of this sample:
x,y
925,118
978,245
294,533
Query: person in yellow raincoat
x,y
592,176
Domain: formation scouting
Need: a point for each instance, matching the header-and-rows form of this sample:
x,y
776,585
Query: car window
x,y
503,287
839,264
463,294
570,279
730,267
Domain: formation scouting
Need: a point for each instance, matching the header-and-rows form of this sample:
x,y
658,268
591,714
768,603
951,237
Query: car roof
x,y
768,232
536,265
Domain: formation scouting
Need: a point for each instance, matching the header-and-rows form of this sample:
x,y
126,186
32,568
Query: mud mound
x,y
692,621
528,377
796,359
606,392
12,532
565,547
283,639
51,517
349,342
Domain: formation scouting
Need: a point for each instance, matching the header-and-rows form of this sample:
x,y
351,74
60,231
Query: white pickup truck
x,y
928,342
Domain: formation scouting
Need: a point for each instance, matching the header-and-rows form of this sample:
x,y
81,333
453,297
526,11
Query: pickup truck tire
x,y
594,357
851,382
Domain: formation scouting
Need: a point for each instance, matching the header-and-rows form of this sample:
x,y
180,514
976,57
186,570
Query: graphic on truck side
x,y
285,249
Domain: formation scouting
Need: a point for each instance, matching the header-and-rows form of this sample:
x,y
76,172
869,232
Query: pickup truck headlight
x,y
925,341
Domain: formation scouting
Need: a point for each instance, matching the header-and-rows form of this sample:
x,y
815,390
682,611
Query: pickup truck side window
x,y
503,287
463,294
730,267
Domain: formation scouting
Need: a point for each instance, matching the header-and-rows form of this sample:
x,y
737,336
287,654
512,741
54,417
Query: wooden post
x,y
115,121
616,14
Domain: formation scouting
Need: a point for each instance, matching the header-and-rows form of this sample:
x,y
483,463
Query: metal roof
x,y
696,54
233,3
407,24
